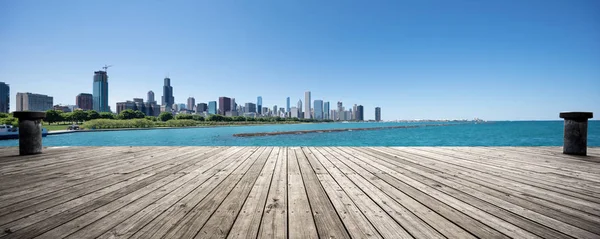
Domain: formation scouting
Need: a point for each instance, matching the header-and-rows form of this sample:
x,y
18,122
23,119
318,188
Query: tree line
x,y
56,116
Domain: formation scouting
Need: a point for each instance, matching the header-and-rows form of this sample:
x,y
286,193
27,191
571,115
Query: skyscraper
x,y
4,97
33,102
287,105
167,99
299,106
191,103
100,94
259,104
274,113
212,107
224,105
84,101
360,113
201,107
340,110
233,105
150,96
307,105
354,112
250,108
326,111
377,114
318,109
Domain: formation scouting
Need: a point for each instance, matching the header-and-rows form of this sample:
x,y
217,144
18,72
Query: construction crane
x,y
105,67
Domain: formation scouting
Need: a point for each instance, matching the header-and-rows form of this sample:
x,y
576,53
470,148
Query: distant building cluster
x,y
227,106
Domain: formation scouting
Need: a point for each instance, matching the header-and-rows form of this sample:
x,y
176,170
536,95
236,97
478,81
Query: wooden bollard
x,y
575,136
30,131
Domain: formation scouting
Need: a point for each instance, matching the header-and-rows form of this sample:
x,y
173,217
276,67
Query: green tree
x,y
67,117
216,118
92,115
139,114
79,115
197,118
184,116
107,115
3,115
127,114
151,118
53,116
165,116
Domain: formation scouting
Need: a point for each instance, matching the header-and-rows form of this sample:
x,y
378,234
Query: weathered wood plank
x,y
274,218
248,220
219,164
188,207
300,219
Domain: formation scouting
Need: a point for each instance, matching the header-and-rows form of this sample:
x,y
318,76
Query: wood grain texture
x,y
299,192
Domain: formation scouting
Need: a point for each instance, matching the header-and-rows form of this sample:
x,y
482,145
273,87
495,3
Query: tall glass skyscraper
x,y
167,99
212,107
4,97
326,110
287,105
100,94
307,105
318,108
377,114
259,104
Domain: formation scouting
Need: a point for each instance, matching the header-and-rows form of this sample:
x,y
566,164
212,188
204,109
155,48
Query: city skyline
x,y
412,59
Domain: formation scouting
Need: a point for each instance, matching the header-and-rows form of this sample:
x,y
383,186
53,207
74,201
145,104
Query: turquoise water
x,y
521,133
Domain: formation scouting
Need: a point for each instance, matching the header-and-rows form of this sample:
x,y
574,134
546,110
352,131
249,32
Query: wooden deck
x,y
293,192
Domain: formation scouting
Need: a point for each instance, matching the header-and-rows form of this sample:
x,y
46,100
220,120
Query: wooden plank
x,y
112,214
220,223
428,215
447,207
191,224
274,219
583,220
328,222
566,198
46,225
124,224
44,202
156,226
520,216
361,216
300,219
528,174
66,178
248,220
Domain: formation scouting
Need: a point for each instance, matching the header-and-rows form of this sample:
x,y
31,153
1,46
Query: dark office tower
x,y
150,96
4,97
191,103
100,94
167,99
377,114
259,104
224,105
201,107
250,108
84,101
326,110
360,113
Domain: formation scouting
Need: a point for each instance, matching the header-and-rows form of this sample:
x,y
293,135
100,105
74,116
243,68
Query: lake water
x,y
519,133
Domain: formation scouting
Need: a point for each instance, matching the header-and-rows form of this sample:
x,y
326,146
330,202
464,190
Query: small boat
x,y
9,132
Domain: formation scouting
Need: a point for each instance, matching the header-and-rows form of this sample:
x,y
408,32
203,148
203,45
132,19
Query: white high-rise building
x,y
307,110
299,108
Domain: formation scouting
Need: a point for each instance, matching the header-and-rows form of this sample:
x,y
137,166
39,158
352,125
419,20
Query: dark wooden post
x,y
30,131
575,136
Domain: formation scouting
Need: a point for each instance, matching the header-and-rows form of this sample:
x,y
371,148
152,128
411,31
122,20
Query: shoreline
x,y
259,134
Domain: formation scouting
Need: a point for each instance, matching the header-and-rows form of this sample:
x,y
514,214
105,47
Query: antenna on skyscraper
x,y
105,67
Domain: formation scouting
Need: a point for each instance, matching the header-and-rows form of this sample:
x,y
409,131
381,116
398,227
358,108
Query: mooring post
x,y
30,131
575,136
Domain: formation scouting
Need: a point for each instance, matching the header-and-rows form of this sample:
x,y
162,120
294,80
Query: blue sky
x,y
497,60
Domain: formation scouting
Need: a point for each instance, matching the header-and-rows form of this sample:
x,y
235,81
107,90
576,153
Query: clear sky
x,y
497,60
